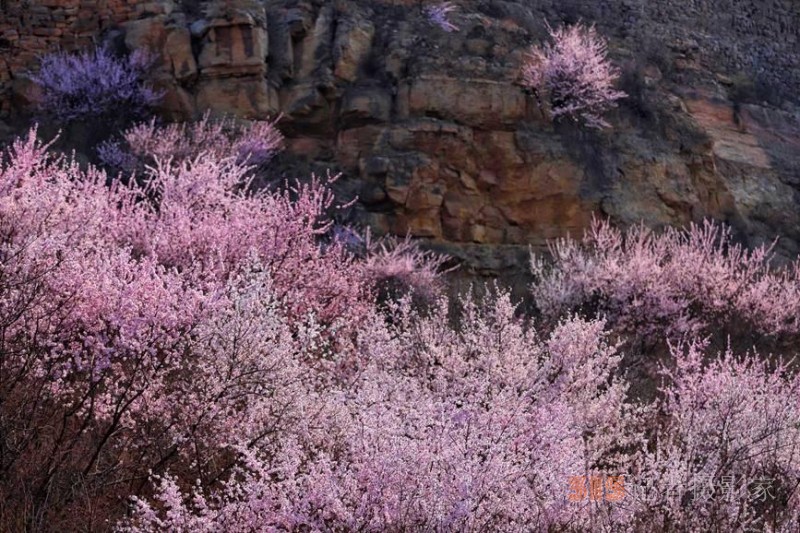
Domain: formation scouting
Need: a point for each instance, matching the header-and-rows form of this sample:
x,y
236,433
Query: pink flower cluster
x,y
574,75
674,282
727,456
440,430
155,327
397,267
248,142
483,427
187,354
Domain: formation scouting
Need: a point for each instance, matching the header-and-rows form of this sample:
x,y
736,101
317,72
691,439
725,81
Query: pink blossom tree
x,y
727,455
158,327
251,143
189,354
675,282
573,75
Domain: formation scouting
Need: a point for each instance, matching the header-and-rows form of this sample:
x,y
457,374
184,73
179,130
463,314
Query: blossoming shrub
x,y
94,83
674,283
396,267
573,75
439,14
145,328
727,456
254,143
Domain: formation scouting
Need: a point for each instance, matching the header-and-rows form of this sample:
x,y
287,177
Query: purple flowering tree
x,y
94,83
439,14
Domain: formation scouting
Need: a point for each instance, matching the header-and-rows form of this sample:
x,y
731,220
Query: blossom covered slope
x,y
180,352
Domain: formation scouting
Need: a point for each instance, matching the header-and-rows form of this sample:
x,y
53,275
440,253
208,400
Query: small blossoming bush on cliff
x,y
573,76
439,14
94,83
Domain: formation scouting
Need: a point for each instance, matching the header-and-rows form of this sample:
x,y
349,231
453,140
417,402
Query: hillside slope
x,y
433,130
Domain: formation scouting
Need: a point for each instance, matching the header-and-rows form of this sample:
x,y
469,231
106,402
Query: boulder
x,y
233,48
351,46
247,97
178,50
474,102
366,103
146,34
312,54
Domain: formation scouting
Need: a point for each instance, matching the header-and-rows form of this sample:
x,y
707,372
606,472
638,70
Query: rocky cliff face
x,y
436,136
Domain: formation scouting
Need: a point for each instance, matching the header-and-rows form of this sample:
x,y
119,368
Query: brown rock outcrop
x,y
437,137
